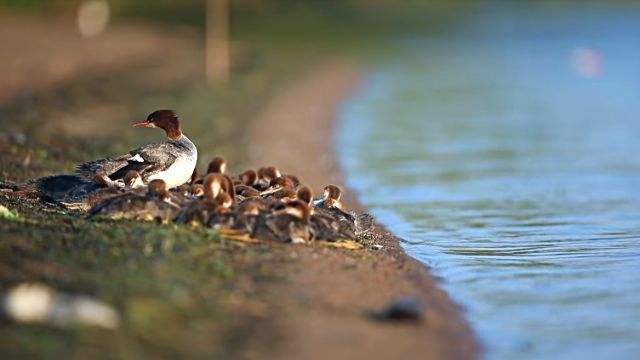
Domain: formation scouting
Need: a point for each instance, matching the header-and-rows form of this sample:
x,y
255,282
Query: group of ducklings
x,y
262,204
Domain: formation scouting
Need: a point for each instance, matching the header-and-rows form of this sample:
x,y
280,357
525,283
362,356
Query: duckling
x,y
131,181
248,213
248,177
200,210
278,184
330,198
288,224
155,204
305,194
223,217
293,179
265,175
247,191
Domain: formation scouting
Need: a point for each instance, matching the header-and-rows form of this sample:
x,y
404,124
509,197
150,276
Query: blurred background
x,y
511,167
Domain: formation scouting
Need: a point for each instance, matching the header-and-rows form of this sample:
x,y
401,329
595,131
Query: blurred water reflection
x,y
506,154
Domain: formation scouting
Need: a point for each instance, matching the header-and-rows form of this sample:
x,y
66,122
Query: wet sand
x,y
321,304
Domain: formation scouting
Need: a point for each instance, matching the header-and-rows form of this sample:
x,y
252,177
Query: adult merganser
x,y
172,160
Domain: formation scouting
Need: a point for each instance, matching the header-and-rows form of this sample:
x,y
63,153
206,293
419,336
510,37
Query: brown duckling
x,y
200,210
265,175
288,224
276,185
248,177
155,204
330,198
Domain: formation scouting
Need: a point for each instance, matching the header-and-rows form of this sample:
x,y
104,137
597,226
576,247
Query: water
x,y
507,154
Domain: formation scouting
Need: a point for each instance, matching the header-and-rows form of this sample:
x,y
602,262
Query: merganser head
x,y
133,180
158,188
213,185
332,192
305,195
249,177
165,120
218,166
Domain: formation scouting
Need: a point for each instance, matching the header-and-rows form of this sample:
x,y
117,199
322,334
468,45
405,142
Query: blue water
x,y
507,153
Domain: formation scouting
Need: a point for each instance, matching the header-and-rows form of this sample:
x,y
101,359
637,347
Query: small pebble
x,y
376,247
403,309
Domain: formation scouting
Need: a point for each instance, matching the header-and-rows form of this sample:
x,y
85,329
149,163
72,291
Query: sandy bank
x,y
320,312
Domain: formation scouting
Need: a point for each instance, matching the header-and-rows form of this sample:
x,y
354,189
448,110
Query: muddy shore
x,y
294,132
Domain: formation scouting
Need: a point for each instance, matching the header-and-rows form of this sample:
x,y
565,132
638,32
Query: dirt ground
x,y
237,300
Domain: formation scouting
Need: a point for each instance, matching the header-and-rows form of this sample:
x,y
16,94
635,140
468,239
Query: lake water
x,y
507,154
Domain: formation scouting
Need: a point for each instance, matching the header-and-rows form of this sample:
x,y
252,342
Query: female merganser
x,y
155,204
172,161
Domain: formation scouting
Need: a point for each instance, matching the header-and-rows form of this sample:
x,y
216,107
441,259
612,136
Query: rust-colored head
x,y
249,177
165,120
217,166
332,192
133,179
158,188
197,190
305,194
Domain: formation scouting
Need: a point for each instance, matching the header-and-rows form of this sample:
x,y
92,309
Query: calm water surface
x,y
507,153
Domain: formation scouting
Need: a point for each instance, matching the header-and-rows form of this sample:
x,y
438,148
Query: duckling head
x,y
133,180
295,181
249,177
158,188
217,166
305,194
332,192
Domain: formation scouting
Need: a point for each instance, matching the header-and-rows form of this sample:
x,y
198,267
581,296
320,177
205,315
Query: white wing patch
x,y
137,158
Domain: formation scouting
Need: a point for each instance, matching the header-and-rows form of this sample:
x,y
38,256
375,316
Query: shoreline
x,y
295,132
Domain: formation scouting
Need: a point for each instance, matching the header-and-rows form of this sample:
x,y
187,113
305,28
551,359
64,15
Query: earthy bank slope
x,y
327,290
